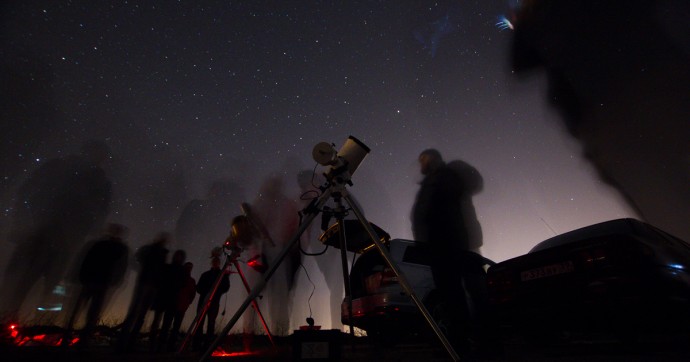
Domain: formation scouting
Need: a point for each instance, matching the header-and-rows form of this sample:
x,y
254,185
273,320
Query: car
x,y
380,305
620,279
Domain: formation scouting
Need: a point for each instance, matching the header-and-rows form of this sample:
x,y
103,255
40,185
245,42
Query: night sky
x,y
186,93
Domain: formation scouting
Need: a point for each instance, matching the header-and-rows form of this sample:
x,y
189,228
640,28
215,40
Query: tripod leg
x,y
255,305
346,273
259,287
401,278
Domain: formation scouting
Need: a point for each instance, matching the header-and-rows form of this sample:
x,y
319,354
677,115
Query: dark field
x,y
39,344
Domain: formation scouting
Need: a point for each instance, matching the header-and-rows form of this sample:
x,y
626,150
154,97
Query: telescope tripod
x,y
334,187
230,261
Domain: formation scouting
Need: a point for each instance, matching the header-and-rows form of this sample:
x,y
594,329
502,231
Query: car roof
x,y
612,227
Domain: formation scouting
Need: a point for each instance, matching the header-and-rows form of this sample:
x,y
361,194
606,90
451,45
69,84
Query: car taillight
x,y
379,279
388,277
616,254
373,282
594,257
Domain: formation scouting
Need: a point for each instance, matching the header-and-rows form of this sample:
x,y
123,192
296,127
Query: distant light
x,y
54,308
677,266
504,24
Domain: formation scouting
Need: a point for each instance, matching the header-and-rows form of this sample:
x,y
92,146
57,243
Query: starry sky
x,y
189,92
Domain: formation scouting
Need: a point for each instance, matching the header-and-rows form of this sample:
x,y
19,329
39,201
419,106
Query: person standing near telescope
x,y
204,287
444,217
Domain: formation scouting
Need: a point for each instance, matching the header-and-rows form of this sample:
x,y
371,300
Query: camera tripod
x,y
334,187
230,261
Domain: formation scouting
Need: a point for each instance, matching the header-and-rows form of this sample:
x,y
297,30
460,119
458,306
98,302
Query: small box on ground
x,y
317,345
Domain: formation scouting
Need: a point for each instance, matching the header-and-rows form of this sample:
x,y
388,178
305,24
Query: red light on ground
x,y
221,353
39,337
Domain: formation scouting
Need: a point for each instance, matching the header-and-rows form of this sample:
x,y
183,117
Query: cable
x,y
313,287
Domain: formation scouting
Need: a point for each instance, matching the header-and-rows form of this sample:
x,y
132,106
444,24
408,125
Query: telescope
x,y
348,158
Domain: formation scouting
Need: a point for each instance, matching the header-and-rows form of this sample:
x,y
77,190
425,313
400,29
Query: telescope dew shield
x,y
241,232
353,152
347,158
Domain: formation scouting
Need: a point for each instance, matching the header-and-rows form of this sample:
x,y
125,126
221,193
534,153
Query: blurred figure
x,y
444,217
151,262
207,281
57,207
165,302
280,219
619,72
443,208
102,269
204,223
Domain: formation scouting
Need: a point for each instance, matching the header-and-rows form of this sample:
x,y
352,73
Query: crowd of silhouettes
x,y
443,216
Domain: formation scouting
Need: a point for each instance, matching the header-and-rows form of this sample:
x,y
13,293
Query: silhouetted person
x,y
185,297
204,287
619,72
444,217
151,263
57,207
102,269
165,302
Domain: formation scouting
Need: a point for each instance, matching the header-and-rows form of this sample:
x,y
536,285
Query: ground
x,y
39,344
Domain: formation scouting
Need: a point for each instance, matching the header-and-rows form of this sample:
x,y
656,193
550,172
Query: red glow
x,y
219,352
14,332
39,337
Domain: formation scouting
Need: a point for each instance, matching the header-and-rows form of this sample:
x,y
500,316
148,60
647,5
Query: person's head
x,y
117,231
430,160
179,257
215,262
